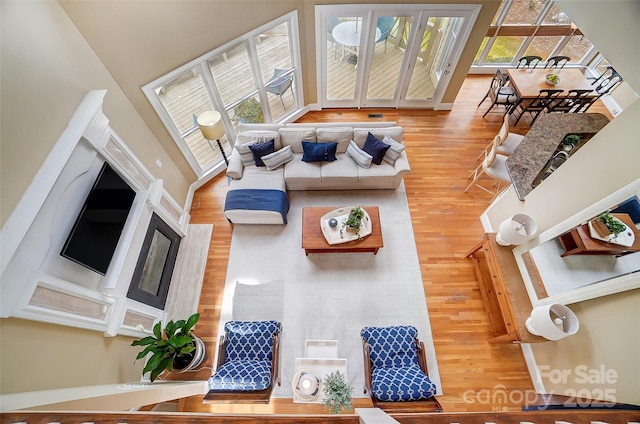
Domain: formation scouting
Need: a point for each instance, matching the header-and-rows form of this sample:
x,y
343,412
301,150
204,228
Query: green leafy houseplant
x,y
249,111
170,347
337,392
613,225
570,140
353,221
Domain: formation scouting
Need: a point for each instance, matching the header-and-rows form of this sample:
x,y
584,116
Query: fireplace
x,y
152,275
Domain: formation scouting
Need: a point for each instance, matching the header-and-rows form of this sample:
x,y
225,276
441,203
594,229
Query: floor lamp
x,y
210,123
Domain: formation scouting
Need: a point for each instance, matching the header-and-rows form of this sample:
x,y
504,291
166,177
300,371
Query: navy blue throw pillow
x,y
261,149
376,148
318,152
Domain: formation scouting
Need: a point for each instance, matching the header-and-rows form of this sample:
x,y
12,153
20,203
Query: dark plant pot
x,y
191,362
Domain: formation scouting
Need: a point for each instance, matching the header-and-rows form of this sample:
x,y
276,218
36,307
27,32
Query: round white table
x,y
347,34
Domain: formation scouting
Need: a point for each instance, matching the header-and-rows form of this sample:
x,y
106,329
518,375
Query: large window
x,y
533,27
252,79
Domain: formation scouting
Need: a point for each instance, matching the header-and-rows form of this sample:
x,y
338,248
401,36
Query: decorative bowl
x,y
552,79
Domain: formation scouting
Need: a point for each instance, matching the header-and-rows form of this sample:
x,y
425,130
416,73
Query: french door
x,y
389,55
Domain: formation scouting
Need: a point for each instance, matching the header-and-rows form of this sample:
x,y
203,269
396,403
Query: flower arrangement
x,y
353,221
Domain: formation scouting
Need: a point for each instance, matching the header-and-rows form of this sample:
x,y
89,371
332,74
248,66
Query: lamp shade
x,y
210,124
553,322
516,230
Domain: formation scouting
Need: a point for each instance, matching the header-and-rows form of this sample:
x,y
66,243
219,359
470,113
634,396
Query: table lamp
x,y
211,127
553,322
516,230
306,385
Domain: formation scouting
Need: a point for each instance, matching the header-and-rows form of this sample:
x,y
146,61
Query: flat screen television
x,y
97,229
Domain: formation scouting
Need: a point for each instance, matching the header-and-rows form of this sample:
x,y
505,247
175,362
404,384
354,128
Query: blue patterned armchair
x,y
396,370
248,363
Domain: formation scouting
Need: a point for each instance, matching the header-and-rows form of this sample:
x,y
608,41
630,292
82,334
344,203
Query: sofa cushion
x,y
319,152
358,155
245,137
341,135
394,151
261,149
385,170
297,169
376,148
295,136
341,172
278,158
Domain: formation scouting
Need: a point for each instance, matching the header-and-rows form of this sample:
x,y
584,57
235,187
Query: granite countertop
x,y
537,147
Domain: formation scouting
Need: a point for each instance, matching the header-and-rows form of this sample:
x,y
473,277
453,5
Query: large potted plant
x,y
249,111
337,392
172,348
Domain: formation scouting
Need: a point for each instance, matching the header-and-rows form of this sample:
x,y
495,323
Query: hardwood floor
x,y
442,147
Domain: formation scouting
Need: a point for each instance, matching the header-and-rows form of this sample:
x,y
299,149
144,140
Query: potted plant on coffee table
x,y
337,392
353,221
172,348
606,225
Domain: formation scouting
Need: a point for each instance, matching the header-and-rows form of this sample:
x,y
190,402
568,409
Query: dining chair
x,y
385,24
574,102
556,62
607,81
508,140
492,165
536,106
279,84
528,62
500,93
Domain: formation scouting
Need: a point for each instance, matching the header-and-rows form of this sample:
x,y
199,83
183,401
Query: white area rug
x,y
328,296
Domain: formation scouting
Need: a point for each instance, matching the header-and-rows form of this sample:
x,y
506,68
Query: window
x,y
532,27
252,79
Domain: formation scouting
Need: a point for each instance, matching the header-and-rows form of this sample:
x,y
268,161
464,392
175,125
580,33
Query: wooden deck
x,y
186,96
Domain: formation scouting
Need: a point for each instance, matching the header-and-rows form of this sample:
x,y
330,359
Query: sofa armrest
x,y
402,165
235,167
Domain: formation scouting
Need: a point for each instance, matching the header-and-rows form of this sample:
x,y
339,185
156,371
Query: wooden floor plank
x,y
442,147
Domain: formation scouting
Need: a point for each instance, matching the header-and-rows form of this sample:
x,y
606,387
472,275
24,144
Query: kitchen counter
x,y
540,143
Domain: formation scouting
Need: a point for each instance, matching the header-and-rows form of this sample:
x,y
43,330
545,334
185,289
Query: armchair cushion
x,y
391,346
242,376
250,340
401,384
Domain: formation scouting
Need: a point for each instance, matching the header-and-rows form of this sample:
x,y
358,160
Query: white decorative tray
x,y
625,238
333,234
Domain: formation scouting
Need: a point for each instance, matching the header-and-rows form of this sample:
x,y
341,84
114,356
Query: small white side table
x,y
321,359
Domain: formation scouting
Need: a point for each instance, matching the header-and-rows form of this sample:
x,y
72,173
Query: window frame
x,y
201,65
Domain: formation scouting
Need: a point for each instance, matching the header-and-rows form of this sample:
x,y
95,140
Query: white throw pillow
x,y
394,151
278,158
358,155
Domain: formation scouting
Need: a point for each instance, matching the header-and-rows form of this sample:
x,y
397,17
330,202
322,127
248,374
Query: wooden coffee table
x,y
313,240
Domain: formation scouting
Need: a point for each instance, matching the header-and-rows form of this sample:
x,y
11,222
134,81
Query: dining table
x,y
347,34
528,82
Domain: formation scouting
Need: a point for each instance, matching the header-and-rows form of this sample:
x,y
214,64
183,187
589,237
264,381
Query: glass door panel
x,y
388,57
343,41
274,57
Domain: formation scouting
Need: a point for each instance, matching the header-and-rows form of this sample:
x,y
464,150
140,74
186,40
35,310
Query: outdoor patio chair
x,y
385,24
396,375
279,83
248,363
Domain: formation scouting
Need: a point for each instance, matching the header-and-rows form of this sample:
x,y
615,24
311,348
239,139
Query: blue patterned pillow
x,y
391,346
261,149
319,152
376,148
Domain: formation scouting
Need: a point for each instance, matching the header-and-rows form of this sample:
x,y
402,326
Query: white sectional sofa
x,y
343,173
